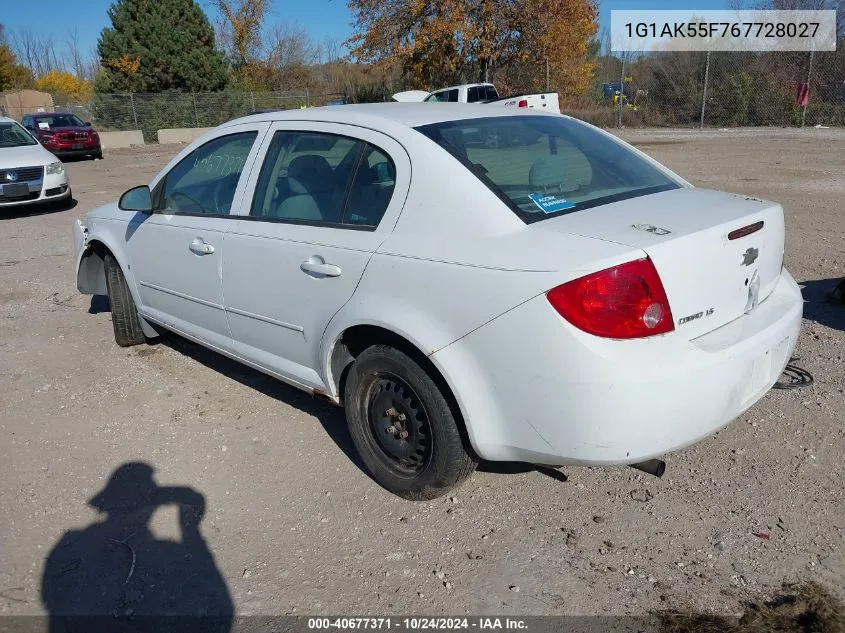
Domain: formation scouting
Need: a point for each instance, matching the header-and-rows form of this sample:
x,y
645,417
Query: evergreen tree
x,y
157,45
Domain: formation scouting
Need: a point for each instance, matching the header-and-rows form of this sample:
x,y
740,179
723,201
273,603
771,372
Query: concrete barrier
x,y
181,134
110,140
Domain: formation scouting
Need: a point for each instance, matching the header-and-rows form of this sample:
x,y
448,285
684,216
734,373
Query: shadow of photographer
x,y
117,575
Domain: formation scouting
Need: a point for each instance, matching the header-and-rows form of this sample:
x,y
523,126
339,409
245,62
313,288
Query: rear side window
x,y
545,166
323,179
481,93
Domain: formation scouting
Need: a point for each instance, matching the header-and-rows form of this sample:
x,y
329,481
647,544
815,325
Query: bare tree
x,y
74,53
94,66
331,50
290,54
291,44
239,29
36,52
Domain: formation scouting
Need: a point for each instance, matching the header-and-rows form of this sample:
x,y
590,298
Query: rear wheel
x,y
124,314
403,427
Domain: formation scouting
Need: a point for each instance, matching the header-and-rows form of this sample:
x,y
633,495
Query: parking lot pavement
x,y
291,524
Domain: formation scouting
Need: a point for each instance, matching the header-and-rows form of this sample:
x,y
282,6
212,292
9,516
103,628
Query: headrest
x,y
560,173
309,174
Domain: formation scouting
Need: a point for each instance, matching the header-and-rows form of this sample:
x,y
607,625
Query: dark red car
x,y
64,134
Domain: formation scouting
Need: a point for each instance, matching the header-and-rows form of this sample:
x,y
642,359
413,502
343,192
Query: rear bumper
x,y
556,395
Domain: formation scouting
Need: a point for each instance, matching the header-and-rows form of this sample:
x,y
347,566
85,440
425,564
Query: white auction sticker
x,y
723,30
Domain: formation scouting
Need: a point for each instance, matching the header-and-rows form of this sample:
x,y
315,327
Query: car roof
x,y
5,119
483,83
404,114
38,114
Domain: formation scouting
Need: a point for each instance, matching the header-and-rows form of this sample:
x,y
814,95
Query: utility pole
x,y
704,95
809,74
621,92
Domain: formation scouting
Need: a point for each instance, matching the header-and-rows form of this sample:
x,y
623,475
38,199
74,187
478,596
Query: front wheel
x,y
124,314
403,427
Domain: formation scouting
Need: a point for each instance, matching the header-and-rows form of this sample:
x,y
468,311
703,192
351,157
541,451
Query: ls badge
x,y
650,228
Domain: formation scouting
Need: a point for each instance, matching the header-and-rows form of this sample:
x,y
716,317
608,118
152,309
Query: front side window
x,y
545,166
204,182
474,94
436,96
13,135
323,179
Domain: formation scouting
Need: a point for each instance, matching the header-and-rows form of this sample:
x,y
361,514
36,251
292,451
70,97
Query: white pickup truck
x,y
483,93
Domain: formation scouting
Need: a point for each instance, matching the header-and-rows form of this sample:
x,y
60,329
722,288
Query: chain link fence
x,y
670,89
152,112
718,89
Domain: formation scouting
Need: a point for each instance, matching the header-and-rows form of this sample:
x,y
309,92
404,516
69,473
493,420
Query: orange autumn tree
x,y
441,42
561,31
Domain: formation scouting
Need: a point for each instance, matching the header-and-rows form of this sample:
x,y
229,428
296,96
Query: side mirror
x,y
137,199
88,123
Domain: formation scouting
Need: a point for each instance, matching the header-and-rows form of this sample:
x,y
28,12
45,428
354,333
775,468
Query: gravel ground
x,y
295,526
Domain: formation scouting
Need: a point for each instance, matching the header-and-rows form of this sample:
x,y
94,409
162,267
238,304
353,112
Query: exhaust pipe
x,y
654,467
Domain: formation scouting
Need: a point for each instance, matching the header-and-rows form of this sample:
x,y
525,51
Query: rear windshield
x,y
546,166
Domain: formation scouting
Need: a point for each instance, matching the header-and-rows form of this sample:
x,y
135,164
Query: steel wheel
x,y
400,424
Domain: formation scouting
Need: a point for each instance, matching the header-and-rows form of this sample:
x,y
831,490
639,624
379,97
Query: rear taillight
x,y
523,103
626,301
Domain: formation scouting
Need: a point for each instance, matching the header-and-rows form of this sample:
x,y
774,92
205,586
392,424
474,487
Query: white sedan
x,y
465,283
29,174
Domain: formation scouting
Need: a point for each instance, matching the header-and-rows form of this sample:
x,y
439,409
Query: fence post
x,y
307,99
252,96
196,114
704,94
134,111
547,75
809,74
621,93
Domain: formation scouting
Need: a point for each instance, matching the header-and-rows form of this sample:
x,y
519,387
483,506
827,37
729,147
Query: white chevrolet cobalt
x,y
29,174
467,283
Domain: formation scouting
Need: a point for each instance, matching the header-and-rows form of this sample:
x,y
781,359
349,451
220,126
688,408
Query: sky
x,y
324,19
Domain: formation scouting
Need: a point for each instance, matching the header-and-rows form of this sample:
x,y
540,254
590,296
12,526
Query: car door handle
x,y
200,247
317,266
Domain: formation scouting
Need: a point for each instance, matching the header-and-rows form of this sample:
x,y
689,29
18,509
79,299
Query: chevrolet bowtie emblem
x,y
750,256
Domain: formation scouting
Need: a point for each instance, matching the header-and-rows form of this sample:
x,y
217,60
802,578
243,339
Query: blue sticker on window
x,y
549,203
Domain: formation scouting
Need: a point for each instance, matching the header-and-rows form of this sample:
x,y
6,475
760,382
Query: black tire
x,y
387,389
124,314
97,155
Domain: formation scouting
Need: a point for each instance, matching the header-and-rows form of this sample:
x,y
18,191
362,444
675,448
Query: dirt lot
x,y
295,526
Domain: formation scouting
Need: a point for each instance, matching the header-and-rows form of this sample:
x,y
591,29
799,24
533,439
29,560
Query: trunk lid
x,y
710,279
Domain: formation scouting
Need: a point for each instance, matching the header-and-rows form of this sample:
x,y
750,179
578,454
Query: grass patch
x,y
800,608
